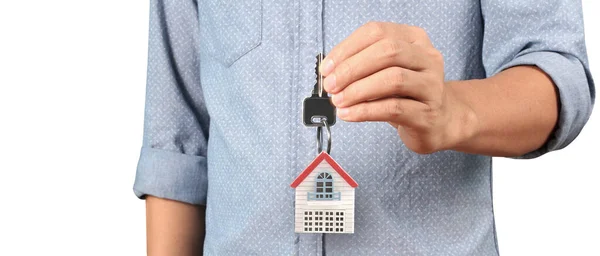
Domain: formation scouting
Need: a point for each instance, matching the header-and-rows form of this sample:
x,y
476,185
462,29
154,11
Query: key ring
x,y
320,137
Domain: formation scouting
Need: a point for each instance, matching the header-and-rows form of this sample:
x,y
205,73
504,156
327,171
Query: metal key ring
x,y
319,137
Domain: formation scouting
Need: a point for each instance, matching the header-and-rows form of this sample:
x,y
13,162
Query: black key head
x,y
316,108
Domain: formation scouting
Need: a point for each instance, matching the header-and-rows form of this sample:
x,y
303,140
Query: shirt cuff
x,y
171,175
574,87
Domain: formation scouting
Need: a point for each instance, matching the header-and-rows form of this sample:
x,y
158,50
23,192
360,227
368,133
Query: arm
x,y
172,169
549,37
174,228
537,97
509,114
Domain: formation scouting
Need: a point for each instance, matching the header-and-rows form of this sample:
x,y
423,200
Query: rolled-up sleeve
x,y
172,162
549,35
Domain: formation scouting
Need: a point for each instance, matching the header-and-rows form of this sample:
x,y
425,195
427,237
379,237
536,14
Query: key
x,y
318,106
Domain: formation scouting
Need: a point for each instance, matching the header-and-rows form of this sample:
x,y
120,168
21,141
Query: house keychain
x,y
324,191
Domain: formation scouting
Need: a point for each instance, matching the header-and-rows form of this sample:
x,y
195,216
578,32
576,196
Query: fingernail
x,y
343,112
337,98
329,83
326,67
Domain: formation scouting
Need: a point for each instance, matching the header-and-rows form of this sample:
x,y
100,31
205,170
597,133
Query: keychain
x,y
324,191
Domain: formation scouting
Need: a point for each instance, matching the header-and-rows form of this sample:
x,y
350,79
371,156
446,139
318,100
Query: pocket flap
x,y
230,29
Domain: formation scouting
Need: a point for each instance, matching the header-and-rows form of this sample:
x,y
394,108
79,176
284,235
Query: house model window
x,y
324,198
324,188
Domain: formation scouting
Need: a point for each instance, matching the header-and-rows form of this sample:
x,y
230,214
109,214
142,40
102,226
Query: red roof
x,y
332,163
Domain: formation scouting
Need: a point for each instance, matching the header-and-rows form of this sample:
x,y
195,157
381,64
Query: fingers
x,y
399,111
394,81
360,39
386,72
380,55
367,35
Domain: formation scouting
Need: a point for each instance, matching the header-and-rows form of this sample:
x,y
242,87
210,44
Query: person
x,y
426,93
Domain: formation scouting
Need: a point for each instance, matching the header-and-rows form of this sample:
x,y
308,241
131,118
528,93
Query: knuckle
x,y
375,29
430,120
397,79
390,48
433,110
395,110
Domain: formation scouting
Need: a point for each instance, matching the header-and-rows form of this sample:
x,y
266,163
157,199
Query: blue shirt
x,y
223,127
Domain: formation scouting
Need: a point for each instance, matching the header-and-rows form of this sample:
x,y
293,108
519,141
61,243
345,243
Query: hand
x,y
391,72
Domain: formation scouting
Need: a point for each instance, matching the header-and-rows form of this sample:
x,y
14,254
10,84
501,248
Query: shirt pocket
x,y
230,29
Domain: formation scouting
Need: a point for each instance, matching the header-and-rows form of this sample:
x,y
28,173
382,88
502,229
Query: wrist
x,y
464,123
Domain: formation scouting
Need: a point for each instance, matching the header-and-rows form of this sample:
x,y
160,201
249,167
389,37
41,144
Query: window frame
x,y
323,184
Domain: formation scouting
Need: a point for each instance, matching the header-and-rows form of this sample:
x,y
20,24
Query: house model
x,y
324,198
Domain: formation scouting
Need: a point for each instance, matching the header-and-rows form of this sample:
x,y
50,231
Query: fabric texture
x,y
223,128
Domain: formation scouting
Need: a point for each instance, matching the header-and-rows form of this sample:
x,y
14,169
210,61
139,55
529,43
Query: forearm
x,y
174,228
509,114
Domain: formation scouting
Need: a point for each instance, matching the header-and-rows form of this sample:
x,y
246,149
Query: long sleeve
x,y
172,163
549,35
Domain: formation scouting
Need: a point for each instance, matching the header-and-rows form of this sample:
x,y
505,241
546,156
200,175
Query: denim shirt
x,y
223,127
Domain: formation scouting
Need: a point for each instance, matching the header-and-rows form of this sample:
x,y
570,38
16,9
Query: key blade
x,y
319,76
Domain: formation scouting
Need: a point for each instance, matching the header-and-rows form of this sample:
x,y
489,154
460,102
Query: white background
x,y
72,77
